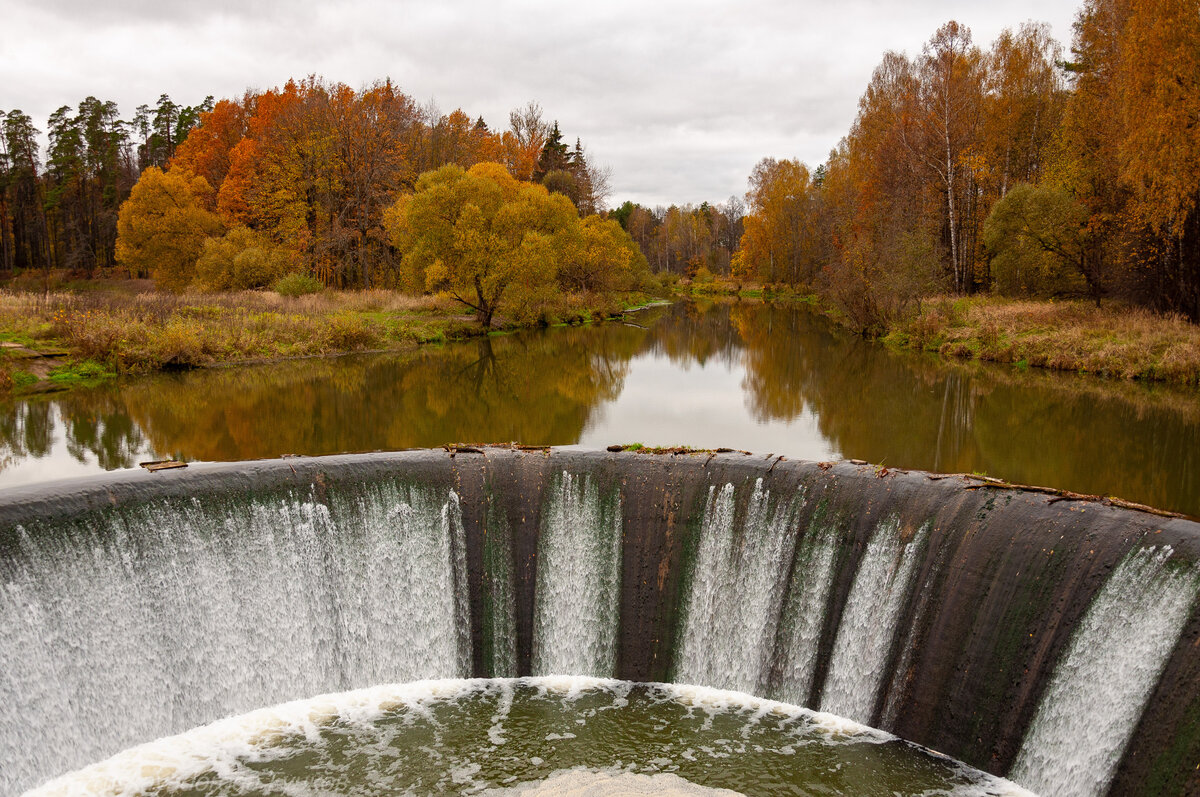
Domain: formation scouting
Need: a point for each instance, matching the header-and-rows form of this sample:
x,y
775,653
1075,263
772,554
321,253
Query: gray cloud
x,y
680,99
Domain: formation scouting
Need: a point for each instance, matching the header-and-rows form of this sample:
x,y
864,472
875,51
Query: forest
x,y
299,177
1019,170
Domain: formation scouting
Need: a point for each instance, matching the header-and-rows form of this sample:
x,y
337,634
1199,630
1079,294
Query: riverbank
x,y
58,340
1115,340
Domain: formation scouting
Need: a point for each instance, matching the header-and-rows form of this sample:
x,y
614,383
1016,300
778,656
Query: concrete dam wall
x,y
1046,639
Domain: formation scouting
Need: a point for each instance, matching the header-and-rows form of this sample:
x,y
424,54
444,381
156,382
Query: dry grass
x,y
1115,340
127,327
134,331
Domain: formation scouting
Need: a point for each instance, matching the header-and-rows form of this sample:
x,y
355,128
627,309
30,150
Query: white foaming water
x,y
578,572
737,591
174,759
804,613
868,626
1100,687
588,783
220,748
161,618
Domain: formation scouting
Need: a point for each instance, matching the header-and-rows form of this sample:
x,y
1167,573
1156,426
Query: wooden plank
x,y
163,465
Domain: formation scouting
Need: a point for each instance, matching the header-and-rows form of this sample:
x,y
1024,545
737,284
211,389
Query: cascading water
x,y
578,580
128,612
895,689
500,612
136,624
737,590
1102,683
868,626
805,610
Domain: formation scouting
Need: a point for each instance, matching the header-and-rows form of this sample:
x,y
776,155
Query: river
x,y
769,378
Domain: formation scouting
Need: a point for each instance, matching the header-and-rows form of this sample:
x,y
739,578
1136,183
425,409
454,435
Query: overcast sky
x,y
680,99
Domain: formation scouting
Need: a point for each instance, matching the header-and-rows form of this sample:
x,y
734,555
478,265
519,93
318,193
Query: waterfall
x,y
577,606
500,600
133,624
867,630
737,591
804,613
902,673
135,620
1100,687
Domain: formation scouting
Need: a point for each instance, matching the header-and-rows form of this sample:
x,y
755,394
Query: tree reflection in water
x,y
552,386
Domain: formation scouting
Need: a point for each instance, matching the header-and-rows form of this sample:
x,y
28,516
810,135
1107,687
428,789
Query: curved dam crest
x,y
1051,641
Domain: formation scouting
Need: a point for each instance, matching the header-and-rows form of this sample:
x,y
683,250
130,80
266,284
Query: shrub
x,y
297,285
347,332
239,260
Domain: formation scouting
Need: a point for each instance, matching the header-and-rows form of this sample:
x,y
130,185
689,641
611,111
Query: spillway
x,y
1051,641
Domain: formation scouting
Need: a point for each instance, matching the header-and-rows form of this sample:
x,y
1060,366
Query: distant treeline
x,y
60,210
303,172
1013,170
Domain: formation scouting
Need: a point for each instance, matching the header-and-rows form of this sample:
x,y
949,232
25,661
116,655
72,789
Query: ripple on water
x,y
530,736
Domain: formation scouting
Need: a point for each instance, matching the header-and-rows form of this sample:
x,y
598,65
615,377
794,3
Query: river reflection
x,y
768,378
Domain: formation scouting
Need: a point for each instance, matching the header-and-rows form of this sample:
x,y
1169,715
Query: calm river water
x,y
762,377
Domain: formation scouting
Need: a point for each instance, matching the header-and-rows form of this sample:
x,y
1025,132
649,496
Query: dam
x,y
1032,635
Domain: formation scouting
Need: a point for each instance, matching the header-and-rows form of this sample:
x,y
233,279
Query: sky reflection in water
x,y
761,377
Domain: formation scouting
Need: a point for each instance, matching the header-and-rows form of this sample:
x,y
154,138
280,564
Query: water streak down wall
x,y
982,588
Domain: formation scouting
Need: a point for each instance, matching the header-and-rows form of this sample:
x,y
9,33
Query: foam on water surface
x,y
586,783
523,736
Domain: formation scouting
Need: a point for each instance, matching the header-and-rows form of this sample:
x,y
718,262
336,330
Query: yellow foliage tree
x,y
1158,89
482,236
492,241
781,241
161,228
601,257
241,259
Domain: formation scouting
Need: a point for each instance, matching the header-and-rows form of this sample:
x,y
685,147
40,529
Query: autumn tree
x,y
1023,101
598,257
238,260
1038,237
884,214
945,123
1089,138
456,139
482,236
162,227
1156,84
524,140
782,241
206,150
498,244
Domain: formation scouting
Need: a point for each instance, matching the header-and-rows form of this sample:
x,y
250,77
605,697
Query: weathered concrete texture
x,y
1004,579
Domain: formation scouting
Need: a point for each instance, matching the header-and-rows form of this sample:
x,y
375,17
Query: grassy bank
x,y
100,330
1115,340
728,287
